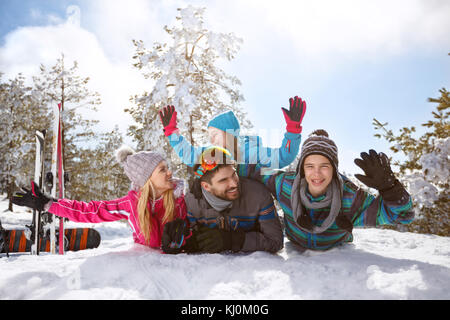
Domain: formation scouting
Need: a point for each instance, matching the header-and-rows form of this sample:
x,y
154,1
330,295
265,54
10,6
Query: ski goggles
x,y
211,158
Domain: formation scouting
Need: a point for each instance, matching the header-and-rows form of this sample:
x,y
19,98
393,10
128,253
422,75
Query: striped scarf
x,y
333,199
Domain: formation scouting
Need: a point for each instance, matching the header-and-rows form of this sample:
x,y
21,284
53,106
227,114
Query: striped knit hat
x,y
138,166
319,143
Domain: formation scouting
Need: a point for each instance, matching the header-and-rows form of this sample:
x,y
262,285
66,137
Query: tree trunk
x,y
10,192
191,130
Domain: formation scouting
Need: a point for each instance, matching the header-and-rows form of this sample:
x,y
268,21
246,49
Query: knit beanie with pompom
x,y
318,142
138,166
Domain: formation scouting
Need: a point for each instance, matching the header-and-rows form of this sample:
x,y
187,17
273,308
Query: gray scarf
x,y
333,198
215,202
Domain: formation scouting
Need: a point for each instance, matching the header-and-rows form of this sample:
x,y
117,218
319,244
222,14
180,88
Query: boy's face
x,y
224,184
217,137
318,174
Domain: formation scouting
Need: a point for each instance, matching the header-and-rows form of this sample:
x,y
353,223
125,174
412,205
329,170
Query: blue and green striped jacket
x,y
359,206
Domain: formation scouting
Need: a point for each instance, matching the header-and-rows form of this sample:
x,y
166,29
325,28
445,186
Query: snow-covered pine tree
x,y
20,117
185,74
62,84
103,177
426,170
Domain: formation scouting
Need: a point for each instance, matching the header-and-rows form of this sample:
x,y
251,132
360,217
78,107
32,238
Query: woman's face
x,y
318,174
161,179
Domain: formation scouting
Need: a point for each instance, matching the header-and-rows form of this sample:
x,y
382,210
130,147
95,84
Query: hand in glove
x,y
175,235
168,117
213,240
378,175
295,114
33,198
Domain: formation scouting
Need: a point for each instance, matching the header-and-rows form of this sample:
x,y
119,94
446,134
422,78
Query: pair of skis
x,y
57,167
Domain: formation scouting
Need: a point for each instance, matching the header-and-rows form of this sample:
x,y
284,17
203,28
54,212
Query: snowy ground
x,y
379,264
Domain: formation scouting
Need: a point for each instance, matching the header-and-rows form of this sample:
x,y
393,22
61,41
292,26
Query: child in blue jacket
x,y
224,130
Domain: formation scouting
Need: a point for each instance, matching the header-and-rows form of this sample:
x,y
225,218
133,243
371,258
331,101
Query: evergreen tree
x,y
186,75
103,177
61,84
426,170
20,117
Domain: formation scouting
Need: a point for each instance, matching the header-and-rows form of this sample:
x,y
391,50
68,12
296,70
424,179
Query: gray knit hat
x,y
318,142
138,166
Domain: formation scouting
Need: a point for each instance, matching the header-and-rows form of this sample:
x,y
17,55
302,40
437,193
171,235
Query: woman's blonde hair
x,y
146,193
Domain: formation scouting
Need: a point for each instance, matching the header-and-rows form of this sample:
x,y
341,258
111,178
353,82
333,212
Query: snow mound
x,y
379,264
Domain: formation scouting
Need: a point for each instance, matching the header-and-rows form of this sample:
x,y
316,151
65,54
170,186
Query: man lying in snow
x,y
321,206
227,212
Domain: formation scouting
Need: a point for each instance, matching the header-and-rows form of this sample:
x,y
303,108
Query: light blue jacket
x,y
251,150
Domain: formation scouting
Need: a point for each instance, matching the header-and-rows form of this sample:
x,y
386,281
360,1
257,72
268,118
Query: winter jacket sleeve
x,y
94,211
370,211
269,159
277,158
289,148
269,236
187,153
273,182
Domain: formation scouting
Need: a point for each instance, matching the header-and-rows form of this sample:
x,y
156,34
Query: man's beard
x,y
226,195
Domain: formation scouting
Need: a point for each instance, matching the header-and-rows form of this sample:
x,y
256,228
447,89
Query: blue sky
x,y
352,61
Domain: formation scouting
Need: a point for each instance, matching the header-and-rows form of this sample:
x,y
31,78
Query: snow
x,y
379,264
425,184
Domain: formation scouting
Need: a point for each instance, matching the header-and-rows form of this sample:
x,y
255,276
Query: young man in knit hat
x,y
224,131
229,213
321,206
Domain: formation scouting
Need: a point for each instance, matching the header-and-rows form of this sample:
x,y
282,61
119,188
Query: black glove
x,y
33,198
174,236
379,175
216,240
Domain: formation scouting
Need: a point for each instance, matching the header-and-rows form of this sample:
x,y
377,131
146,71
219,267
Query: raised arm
x,y
187,153
277,158
292,138
393,204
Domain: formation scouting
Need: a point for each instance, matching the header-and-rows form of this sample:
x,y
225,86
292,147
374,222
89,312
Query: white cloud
x,y
38,15
329,29
116,24
27,47
73,15
322,34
